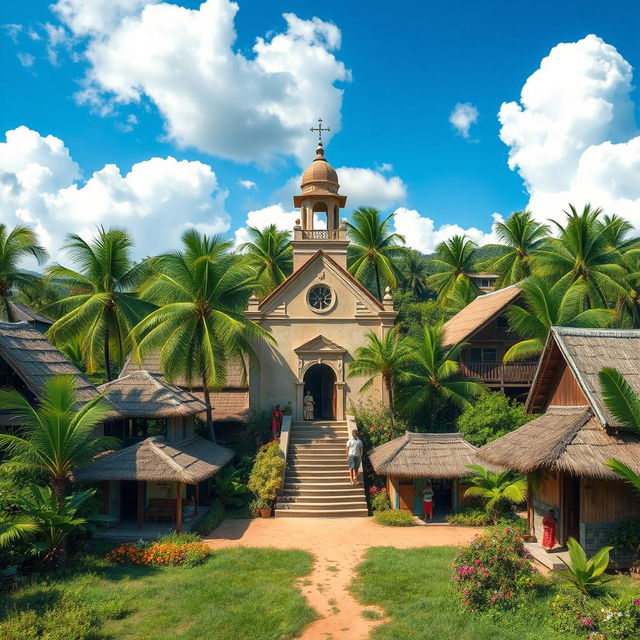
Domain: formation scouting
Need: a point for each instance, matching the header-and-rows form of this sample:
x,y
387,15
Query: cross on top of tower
x,y
320,129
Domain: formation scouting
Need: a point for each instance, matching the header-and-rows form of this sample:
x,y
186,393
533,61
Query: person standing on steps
x,y
354,455
276,422
308,406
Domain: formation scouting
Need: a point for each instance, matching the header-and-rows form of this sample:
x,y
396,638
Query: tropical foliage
x,y
453,263
199,325
102,306
15,245
374,250
586,575
269,253
498,490
267,473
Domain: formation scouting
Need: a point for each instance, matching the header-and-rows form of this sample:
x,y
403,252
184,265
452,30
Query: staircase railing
x,y
285,433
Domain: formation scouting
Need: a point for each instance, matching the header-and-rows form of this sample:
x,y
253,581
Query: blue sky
x,y
402,67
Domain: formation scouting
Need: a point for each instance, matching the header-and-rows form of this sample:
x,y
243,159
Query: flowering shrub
x,y
160,553
607,618
374,423
379,499
494,571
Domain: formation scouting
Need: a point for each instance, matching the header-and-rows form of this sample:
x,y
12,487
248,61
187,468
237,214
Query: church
x,y
319,316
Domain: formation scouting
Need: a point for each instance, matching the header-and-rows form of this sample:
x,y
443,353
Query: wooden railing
x,y
498,372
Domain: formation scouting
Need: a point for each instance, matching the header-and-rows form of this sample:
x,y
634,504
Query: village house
x,y
483,326
564,450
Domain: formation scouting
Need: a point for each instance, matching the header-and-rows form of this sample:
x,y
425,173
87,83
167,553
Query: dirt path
x,y
339,545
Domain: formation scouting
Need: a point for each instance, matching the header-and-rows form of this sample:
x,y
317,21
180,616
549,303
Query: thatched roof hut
x,y
141,394
425,455
230,404
154,459
24,313
478,313
34,359
567,439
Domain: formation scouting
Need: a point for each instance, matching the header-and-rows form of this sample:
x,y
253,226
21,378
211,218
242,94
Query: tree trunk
x,y
388,382
377,271
207,401
60,557
107,356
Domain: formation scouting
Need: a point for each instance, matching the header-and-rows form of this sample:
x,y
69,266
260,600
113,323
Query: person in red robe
x,y
276,422
549,523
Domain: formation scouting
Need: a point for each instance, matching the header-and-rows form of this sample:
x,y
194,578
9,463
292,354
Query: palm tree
x,y
56,436
15,245
583,251
374,249
414,274
499,490
384,356
454,262
102,306
521,237
624,404
269,254
431,377
547,306
202,293
464,292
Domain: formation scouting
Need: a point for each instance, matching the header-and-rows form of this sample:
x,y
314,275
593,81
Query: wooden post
x,y
179,509
140,503
530,530
195,513
105,497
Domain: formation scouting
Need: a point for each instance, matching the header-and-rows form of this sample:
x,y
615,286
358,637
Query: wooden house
x,y
412,460
482,325
564,450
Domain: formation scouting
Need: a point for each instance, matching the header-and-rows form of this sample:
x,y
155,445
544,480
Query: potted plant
x,y
266,478
287,410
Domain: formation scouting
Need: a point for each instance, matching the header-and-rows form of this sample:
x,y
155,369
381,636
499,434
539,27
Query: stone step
x,y
328,497
305,465
319,513
325,506
319,423
324,446
336,442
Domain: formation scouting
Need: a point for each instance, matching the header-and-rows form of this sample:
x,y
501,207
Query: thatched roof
x,y
154,459
567,439
34,359
231,404
586,352
478,313
24,313
144,395
425,455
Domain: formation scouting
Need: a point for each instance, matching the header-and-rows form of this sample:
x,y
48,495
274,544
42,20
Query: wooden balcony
x,y
498,373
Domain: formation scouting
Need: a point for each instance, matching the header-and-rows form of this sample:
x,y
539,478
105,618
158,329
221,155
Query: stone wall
x,y
595,535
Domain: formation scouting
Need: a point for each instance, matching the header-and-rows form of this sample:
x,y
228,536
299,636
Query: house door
x,y
128,500
405,495
570,508
320,381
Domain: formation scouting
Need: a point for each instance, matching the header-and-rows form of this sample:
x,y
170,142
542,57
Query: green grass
x,y
413,586
236,594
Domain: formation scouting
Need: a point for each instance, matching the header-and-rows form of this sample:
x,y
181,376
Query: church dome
x,y
319,175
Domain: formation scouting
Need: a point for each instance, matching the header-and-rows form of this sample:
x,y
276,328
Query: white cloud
x,y
421,233
12,31
464,115
26,59
573,136
260,218
155,200
57,37
385,167
210,95
247,184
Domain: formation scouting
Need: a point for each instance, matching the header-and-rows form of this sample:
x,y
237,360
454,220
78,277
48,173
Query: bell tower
x,y
319,197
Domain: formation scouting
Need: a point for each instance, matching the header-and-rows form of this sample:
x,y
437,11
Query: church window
x,y
320,297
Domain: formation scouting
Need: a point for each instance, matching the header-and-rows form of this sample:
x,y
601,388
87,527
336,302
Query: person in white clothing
x,y
354,455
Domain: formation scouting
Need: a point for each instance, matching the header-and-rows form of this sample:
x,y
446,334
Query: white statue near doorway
x,y
308,405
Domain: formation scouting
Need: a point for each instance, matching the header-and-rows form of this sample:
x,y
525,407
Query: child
x,y
427,502
549,523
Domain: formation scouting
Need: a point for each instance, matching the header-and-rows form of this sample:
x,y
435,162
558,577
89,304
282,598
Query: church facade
x,y
319,316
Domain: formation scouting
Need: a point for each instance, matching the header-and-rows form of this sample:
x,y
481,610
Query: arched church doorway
x,y
320,381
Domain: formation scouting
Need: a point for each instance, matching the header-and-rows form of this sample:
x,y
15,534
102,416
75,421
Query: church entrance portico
x,y
320,383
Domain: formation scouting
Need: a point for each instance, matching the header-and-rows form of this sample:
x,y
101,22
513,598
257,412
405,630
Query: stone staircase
x,y
316,483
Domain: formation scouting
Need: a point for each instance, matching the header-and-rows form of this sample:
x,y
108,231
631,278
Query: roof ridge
x,y
596,332
155,446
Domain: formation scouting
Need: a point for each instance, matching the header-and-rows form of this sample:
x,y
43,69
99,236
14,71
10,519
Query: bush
x,y
494,571
374,423
160,553
627,536
379,499
491,417
606,618
477,517
267,474
392,518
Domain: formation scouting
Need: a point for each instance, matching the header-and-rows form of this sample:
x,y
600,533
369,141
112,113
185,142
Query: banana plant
x,y
229,487
583,574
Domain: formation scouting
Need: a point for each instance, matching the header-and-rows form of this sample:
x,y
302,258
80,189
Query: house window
x,y
483,354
